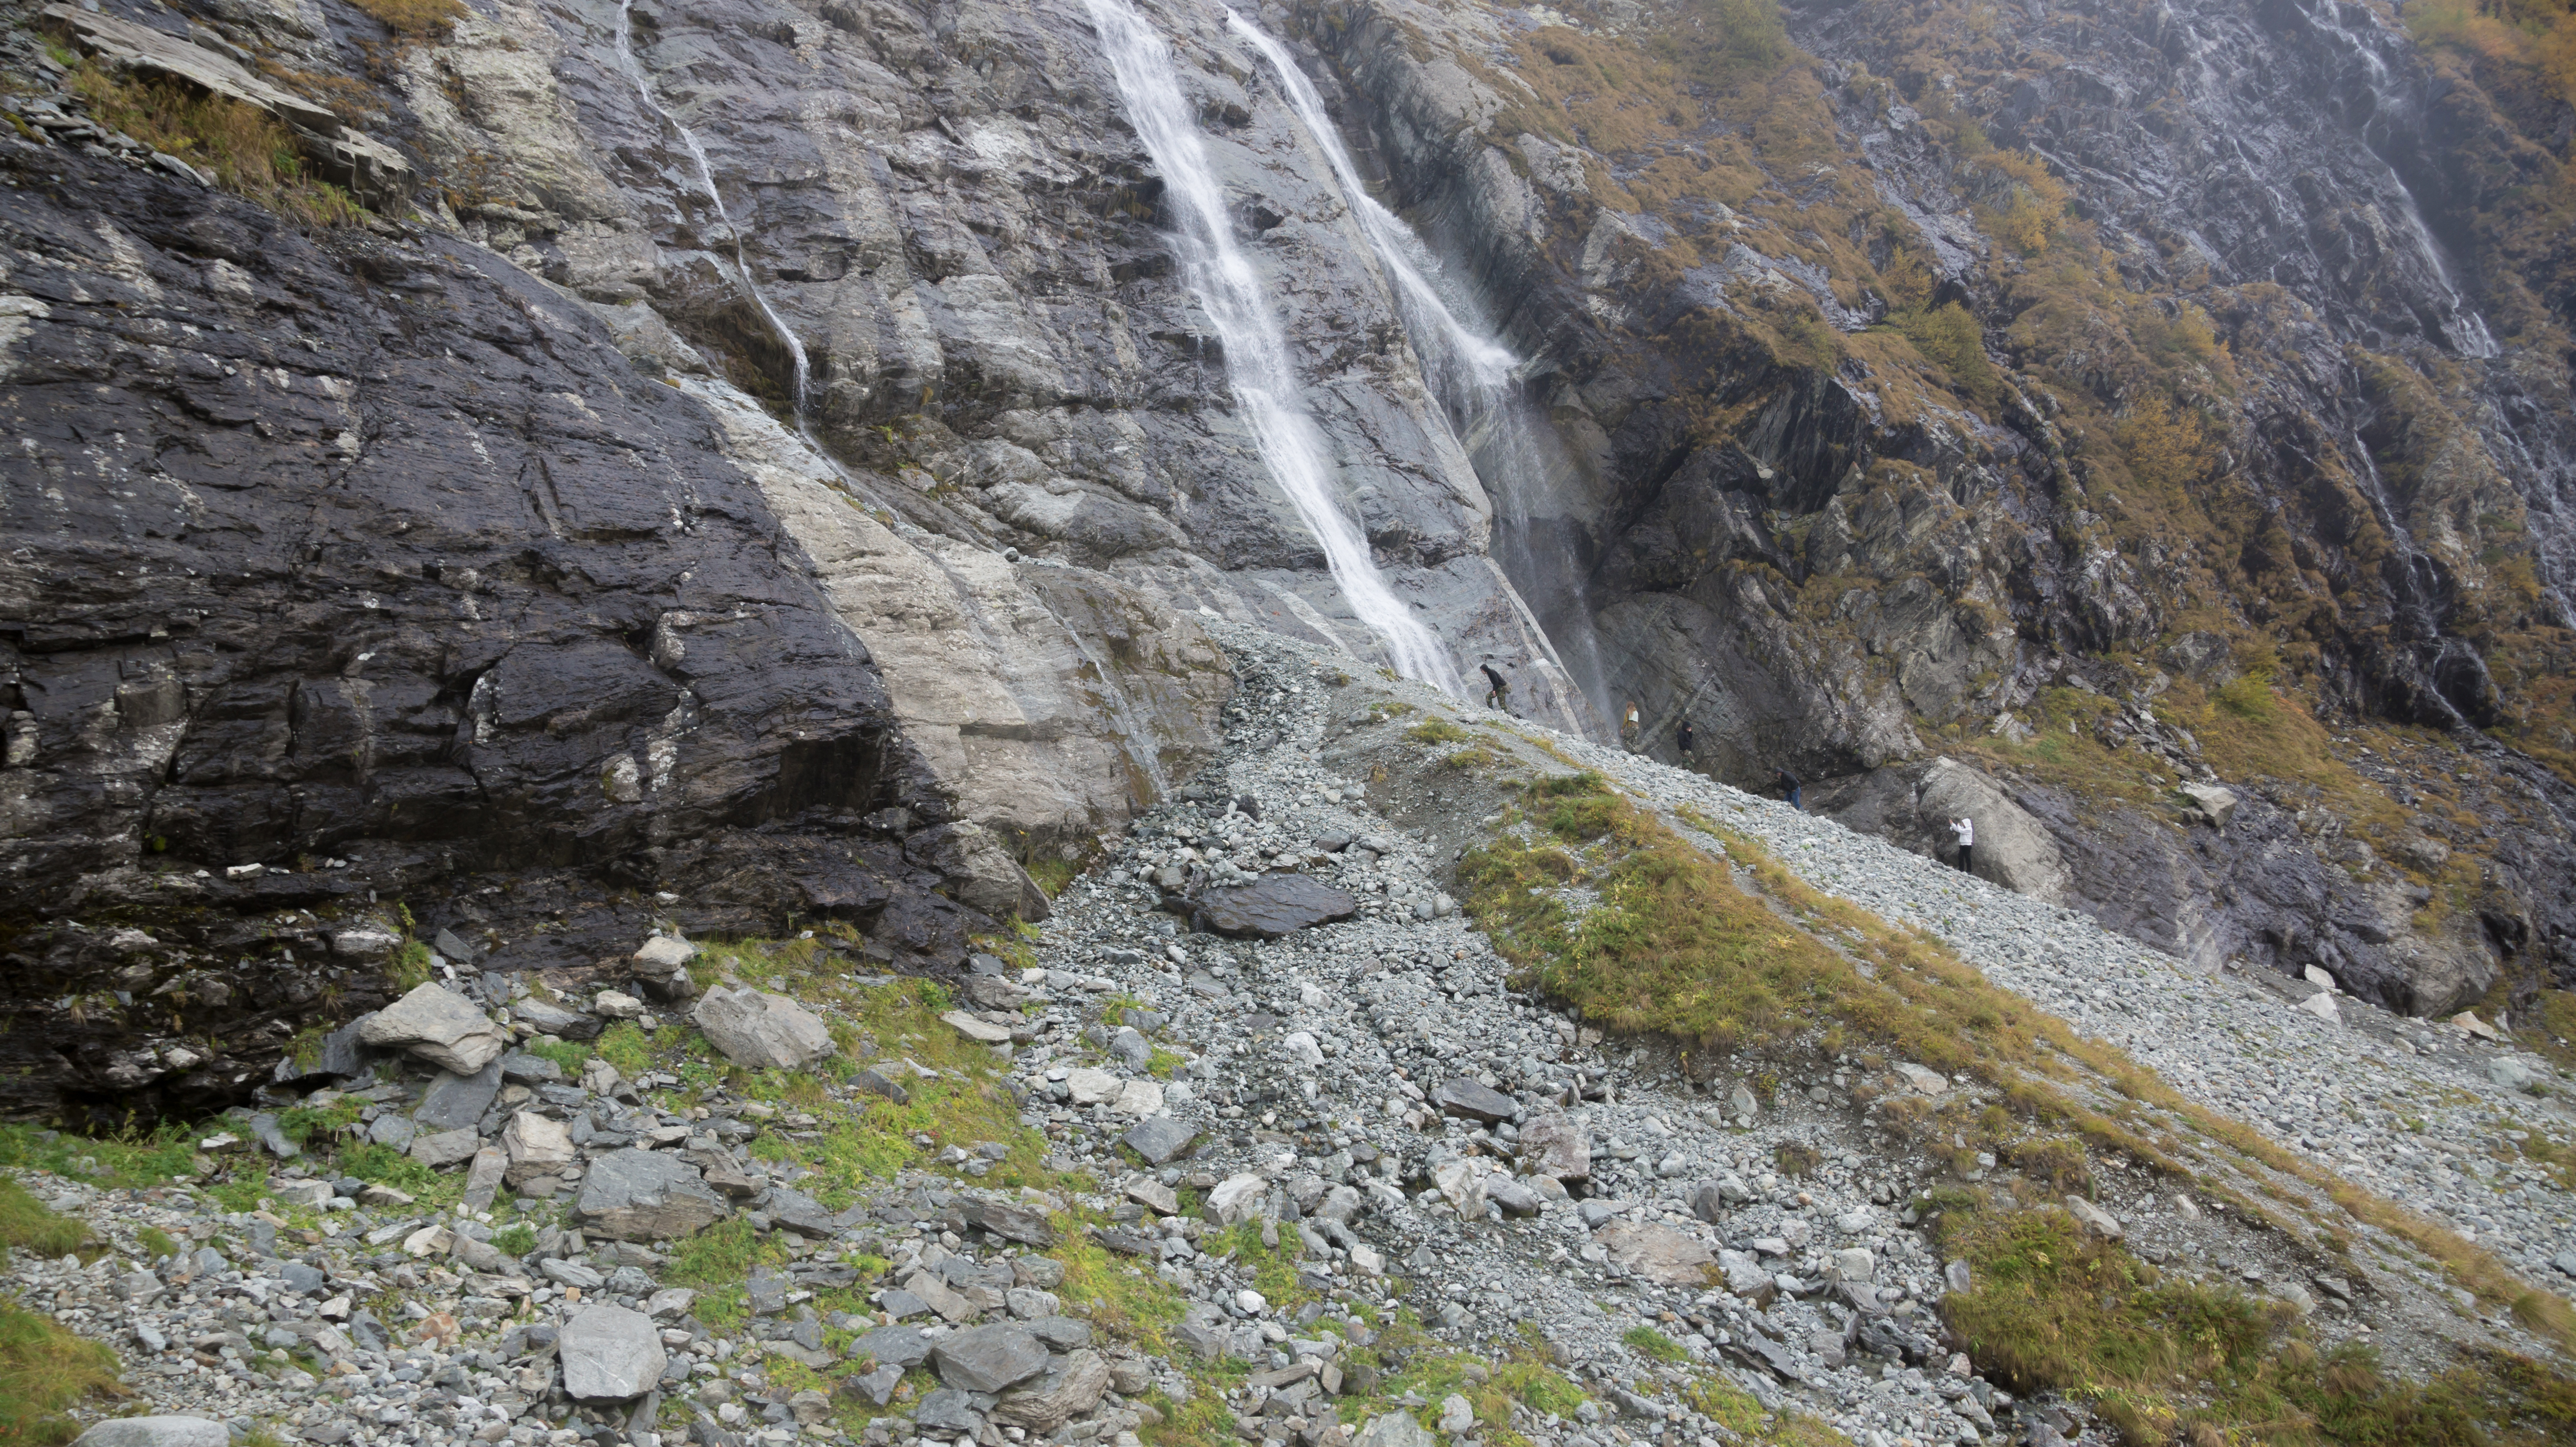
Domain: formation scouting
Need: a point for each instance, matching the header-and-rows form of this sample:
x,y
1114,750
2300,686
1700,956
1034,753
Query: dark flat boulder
x,y
1270,907
1473,1100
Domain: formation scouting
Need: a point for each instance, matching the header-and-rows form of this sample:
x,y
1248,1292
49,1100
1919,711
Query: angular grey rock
x,y
1017,1223
879,1085
446,1148
641,1195
761,1031
518,1067
457,1102
555,1020
1270,907
988,1358
394,1131
663,956
1515,1198
1553,1145
1396,1429
483,1178
1159,1138
440,1026
170,1431
948,1409
979,870
2213,802
610,1354
1473,1100
1058,1397
876,1386
897,1346
1658,1253
1060,1333
1708,1202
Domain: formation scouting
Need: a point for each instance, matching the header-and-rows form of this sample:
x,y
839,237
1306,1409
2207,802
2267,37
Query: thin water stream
x,y
1257,361
1479,382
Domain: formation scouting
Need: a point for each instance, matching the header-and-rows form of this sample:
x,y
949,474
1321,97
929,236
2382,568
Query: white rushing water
x,y
707,182
1257,361
1478,379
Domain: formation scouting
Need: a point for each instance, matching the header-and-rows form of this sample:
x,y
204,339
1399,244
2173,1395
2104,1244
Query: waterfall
x,y
1257,361
707,181
1478,379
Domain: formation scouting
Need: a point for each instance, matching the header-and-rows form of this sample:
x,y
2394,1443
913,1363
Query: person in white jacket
x,y
1966,829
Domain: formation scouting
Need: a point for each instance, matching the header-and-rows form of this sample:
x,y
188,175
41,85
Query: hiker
x,y
1498,690
1686,740
1628,726
1966,829
1788,783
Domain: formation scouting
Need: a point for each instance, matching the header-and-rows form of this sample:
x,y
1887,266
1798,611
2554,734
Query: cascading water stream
x,y
1477,379
1257,361
707,181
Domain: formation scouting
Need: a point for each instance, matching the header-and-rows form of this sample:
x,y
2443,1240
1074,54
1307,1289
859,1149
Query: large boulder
x,y
1658,1253
977,870
440,1026
610,1354
171,1431
641,1195
989,1358
1553,1145
1058,1397
762,1031
1270,907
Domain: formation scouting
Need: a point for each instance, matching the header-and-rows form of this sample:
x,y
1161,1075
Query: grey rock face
x,y
640,1195
978,870
760,1030
988,1358
610,1354
440,1026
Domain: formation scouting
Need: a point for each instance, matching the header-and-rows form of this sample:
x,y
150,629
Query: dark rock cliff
x,y
346,569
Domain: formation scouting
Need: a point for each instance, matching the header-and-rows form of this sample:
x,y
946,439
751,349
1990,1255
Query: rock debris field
x,y
1256,1093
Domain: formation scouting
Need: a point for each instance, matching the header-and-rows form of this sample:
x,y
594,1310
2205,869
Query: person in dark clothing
x,y
1498,690
1686,740
1788,785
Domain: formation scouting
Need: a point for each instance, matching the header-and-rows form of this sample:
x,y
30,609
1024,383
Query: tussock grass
x,y
45,1369
418,19
27,1225
2055,1308
248,151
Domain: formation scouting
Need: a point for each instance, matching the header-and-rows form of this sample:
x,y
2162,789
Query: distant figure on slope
x,y
1966,829
1788,783
1687,741
1498,689
1628,725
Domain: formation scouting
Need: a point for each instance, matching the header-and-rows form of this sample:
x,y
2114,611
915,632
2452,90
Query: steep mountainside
x,y
802,442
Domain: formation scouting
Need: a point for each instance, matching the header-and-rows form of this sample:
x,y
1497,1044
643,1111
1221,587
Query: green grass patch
x,y
27,1225
569,1055
124,1159
44,1369
156,1243
626,1046
516,1240
1647,1342
2056,1308
1437,731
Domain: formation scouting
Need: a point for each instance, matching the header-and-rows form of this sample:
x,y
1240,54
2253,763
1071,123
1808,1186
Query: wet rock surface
x,y
1267,908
